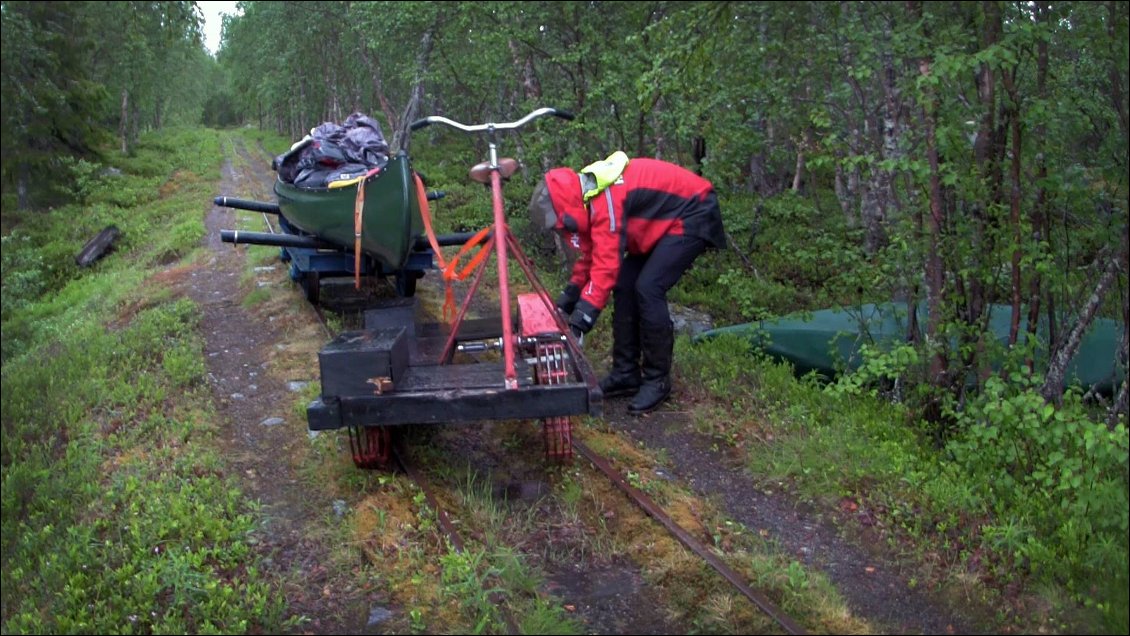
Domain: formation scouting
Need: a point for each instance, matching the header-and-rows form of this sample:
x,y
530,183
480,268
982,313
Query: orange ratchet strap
x,y
451,272
358,209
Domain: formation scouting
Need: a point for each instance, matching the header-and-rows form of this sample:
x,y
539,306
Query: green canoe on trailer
x,y
390,219
830,340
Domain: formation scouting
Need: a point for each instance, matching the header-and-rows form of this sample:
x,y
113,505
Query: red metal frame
x,y
501,234
504,245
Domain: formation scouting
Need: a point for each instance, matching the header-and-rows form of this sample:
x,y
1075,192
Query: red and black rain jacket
x,y
651,199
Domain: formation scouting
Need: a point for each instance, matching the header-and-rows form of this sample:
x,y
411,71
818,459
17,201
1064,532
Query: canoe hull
x,y
390,218
830,340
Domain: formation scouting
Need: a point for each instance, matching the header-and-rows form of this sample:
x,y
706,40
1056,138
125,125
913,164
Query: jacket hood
x,y
565,192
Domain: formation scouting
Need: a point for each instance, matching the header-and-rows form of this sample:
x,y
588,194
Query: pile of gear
x,y
333,152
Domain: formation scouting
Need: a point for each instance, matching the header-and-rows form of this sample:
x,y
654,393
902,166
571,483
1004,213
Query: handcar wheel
x,y
371,446
558,433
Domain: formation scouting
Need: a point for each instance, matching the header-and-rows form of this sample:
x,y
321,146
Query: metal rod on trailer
x,y
449,348
500,231
245,204
273,208
279,240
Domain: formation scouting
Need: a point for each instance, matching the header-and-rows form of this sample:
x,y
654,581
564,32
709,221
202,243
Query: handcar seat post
x,y
501,232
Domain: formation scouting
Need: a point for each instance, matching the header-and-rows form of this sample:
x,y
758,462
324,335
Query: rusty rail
x,y
694,545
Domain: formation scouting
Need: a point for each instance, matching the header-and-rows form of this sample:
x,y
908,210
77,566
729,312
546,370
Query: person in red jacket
x,y
638,225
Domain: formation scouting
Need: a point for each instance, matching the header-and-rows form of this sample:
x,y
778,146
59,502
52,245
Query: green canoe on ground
x,y
830,340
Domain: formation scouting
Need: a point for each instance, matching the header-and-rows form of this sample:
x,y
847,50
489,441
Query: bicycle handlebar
x,y
541,112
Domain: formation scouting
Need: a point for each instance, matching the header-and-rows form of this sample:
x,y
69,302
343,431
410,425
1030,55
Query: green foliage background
x,y
960,153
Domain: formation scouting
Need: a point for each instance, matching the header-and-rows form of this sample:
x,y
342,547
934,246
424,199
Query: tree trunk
x,y
123,123
934,277
845,194
335,113
873,213
1009,80
374,64
134,121
988,153
657,126
23,178
759,161
798,173
1039,215
524,65
1116,76
880,191
531,93
402,136
759,174
1119,408
698,152
300,123
848,184
1057,369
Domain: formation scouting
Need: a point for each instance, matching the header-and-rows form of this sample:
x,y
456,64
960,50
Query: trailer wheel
x,y
312,286
550,370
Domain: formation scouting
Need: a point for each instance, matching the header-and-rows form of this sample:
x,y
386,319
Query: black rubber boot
x,y
625,376
658,347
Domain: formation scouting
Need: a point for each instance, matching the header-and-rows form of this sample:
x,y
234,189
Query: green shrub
x,y
1055,480
117,517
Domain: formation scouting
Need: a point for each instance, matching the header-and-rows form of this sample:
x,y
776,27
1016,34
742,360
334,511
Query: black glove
x,y
583,317
567,301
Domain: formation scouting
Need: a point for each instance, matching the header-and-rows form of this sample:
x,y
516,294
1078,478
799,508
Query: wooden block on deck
x,y
368,362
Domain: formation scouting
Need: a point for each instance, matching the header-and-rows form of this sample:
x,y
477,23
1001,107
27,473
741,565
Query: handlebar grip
x,y
419,123
564,114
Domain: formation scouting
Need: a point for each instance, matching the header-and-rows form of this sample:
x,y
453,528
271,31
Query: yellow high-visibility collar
x,y
604,172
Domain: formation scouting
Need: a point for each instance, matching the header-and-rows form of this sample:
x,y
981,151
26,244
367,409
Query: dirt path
x,y
253,406
609,597
872,585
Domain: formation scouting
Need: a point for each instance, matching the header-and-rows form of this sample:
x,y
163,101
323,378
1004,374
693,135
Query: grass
x,y
118,515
